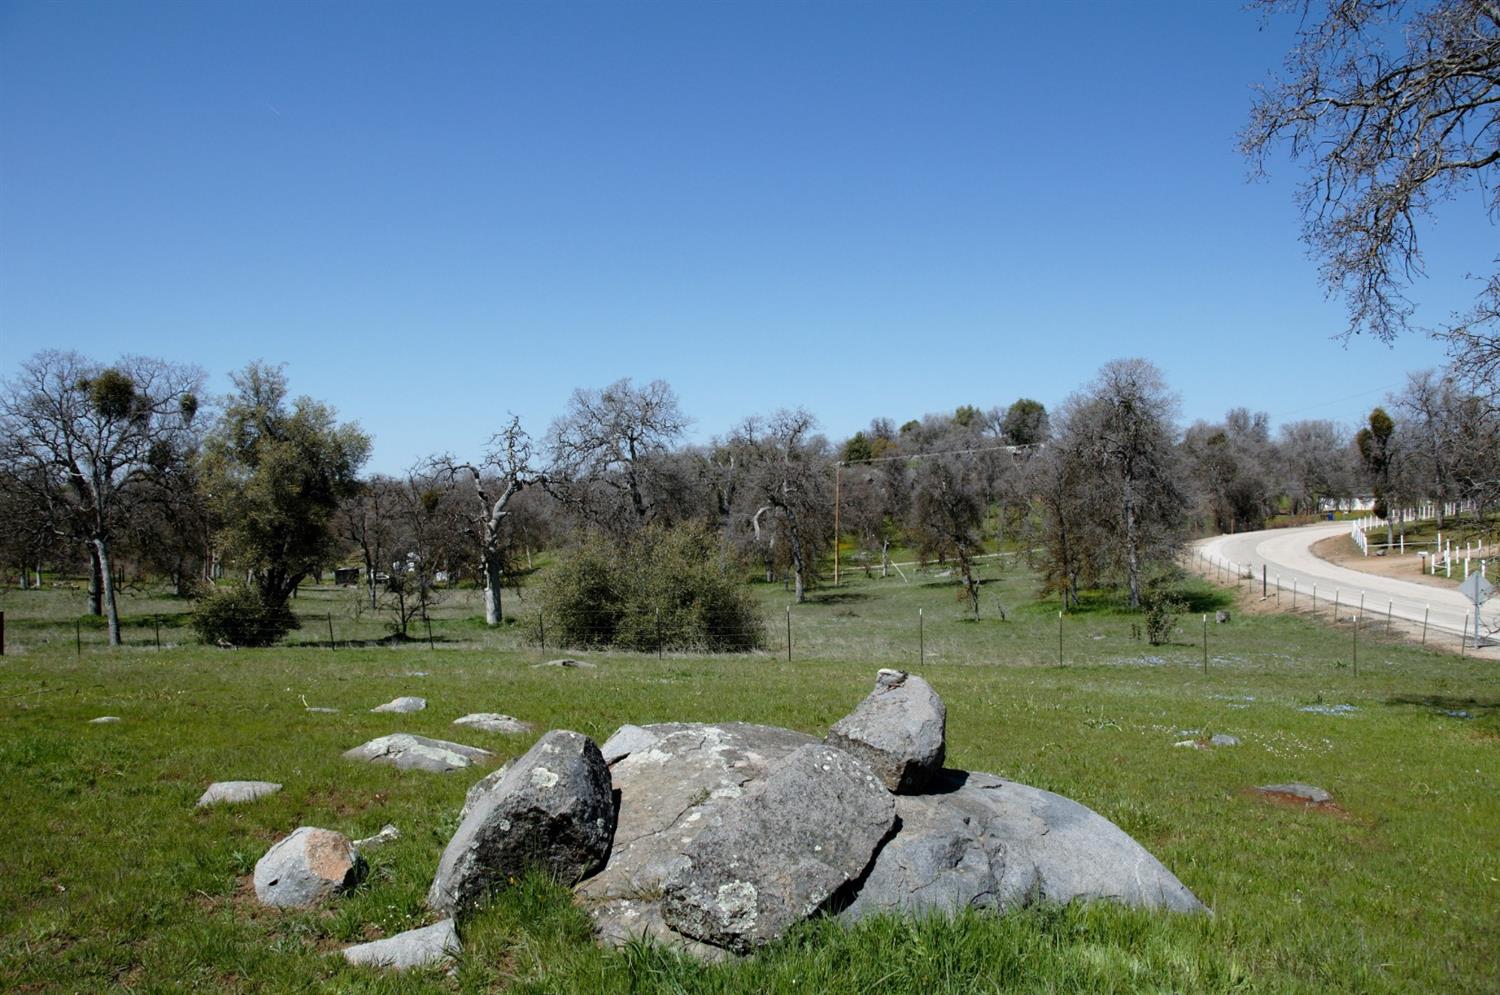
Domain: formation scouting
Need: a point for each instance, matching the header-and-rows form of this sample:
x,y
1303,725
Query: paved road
x,y
1288,553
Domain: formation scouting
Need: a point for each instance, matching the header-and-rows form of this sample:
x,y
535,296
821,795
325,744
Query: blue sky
x,y
435,214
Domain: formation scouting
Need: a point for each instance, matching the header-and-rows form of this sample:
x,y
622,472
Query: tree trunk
x,y
885,558
494,575
96,584
1132,556
101,549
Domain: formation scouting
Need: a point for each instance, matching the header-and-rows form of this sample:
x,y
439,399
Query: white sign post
x,y
1476,589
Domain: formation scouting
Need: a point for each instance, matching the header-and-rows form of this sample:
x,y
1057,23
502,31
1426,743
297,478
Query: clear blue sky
x,y
438,213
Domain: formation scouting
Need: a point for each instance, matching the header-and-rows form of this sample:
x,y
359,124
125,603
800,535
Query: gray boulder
x,y
494,722
407,752
673,779
307,867
425,947
779,851
979,840
552,809
403,705
236,792
898,730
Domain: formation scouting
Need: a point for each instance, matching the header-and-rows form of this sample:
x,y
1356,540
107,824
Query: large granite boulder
x,y
552,809
424,947
407,752
307,867
898,730
673,779
780,850
980,840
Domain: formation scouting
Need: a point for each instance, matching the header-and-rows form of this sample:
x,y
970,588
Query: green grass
x,y
113,881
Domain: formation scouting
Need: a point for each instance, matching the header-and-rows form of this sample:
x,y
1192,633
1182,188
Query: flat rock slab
x,y
307,868
780,850
566,662
1224,739
898,730
104,720
552,809
673,779
494,722
404,705
407,752
235,792
1296,790
979,840
320,710
425,947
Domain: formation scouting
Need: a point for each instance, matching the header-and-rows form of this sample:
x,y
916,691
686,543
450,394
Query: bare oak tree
x,y
86,437
1394,106
614,440
491,485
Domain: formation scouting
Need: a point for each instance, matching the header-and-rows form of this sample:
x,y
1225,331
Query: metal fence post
x,y
788,633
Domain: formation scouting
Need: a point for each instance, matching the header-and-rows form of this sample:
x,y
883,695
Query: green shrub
x,y
1162,607
666,588
236,615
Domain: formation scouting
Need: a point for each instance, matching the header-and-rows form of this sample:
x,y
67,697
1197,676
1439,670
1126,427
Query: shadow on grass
x,y
836,597
1448,704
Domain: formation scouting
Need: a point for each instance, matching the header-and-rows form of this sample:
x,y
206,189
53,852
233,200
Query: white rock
x,y
429,945
404,704
494,722
234,792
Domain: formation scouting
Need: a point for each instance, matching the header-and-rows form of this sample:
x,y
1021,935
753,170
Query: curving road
x,y
1288,553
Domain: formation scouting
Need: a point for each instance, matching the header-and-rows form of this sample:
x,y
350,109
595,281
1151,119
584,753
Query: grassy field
x,y
113,881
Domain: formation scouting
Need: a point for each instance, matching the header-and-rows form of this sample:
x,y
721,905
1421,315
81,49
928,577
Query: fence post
x,y
921,639
331,644
1463,637
658,633
1205,642
155,625
788,633
1425,612
1355,651
430,644
2,632
541,627
78,634
1059,637
1294,594
1263,592
1389,605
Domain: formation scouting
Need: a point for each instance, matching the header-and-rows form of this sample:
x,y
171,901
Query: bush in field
x,y
661,587
1162,608
237,615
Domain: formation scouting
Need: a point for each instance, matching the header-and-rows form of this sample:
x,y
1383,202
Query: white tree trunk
x,y
107,580
494,575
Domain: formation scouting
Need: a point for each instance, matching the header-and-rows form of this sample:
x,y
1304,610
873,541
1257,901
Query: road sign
x,y
1476,588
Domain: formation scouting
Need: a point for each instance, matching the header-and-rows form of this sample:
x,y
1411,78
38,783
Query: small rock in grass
x,y
234,792
1192,744
1329,709
404,704
567,662
1309,793
1224,739
407,752
308,867
321,710
104,720
494,722
388,834
430,945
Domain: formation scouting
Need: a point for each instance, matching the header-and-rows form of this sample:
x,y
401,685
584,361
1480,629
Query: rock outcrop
x,y
779,851
407,752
